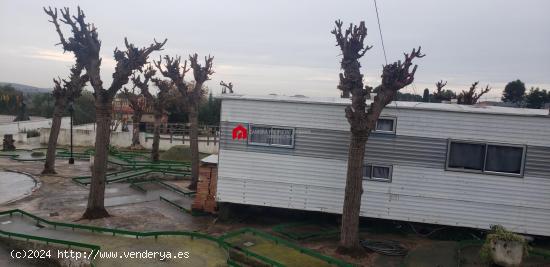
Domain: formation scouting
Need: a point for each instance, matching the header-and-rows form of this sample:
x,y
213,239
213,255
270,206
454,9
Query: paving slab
x,y
169,248
433,254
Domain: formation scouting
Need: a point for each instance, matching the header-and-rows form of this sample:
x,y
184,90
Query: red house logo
x,y
240,132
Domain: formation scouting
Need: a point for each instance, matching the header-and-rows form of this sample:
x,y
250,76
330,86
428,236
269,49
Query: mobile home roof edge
x,y
395,105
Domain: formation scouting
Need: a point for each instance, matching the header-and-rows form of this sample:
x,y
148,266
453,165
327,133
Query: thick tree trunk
x,y
156,137
49,165
96,198
349,233
194,145
136,119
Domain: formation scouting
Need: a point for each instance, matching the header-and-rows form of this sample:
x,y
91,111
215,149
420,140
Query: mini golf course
x,y
134,164
14,185
101,246
245,247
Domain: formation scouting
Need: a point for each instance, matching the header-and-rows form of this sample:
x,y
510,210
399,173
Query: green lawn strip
x,y
102,230
115,176
94,248
282,252
305,230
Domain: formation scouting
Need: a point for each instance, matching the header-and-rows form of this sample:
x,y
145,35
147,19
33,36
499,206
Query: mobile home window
x,y
386,125
260,135
504,159
468,156
282,136
271,136
377,172
486,157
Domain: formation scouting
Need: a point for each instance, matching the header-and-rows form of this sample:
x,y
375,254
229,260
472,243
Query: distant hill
x,y
27,88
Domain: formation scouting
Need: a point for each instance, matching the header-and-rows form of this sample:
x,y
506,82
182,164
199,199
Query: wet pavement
x,y
14,185
169,248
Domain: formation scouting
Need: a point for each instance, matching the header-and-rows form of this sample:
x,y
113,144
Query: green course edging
x,y
220,241
121,175
277,240
60,153
186,210
175,189
95,229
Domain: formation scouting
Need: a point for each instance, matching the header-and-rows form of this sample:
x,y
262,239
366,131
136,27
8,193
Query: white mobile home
x,y
445,164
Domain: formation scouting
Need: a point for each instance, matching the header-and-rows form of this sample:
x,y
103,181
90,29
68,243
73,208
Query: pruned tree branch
x,y
132,59
439,94
351,43
226,86
85,45
173,70
201,74
72,88
470,97
395,76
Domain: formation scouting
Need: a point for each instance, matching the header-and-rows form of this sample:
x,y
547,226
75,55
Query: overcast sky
x,y
285,46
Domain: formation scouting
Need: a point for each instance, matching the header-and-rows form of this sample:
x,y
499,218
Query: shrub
x,y
37,154
498,232
32,133
113,150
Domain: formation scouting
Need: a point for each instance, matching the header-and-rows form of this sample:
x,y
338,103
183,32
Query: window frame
x,y
522,164
394,129
483,170
271,127
377,179
473,142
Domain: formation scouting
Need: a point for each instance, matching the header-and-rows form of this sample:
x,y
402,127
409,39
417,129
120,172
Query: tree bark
x,y
96,207
136,119
349,234
156,137
49,165
194,145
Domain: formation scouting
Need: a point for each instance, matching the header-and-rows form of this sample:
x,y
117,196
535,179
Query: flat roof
x,y
393,105
211,159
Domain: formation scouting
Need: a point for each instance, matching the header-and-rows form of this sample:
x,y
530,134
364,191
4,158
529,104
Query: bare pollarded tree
x,y
439,94
192,94
157,102
471,97
362,120
85,45
226,87
138,102
64,92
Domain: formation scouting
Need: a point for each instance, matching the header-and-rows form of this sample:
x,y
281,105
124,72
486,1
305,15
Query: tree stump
x,y
8,144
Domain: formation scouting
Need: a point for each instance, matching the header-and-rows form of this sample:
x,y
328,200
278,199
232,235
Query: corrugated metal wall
x,y
421,123
381,148
311,176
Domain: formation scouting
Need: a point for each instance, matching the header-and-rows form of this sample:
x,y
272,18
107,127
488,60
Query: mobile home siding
x,y
383,148
311,176
421,123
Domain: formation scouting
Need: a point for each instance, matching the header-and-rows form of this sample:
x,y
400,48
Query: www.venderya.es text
x,y
78,255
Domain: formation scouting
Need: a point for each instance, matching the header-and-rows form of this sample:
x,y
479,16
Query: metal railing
x,y
156,234
179,132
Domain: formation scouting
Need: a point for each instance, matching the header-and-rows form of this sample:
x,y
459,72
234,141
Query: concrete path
x,y
171,250
433,254
14,185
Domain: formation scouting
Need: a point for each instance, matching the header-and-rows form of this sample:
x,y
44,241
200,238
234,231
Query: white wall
x,y
415,194
422,123
17,127
86,137
420,194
